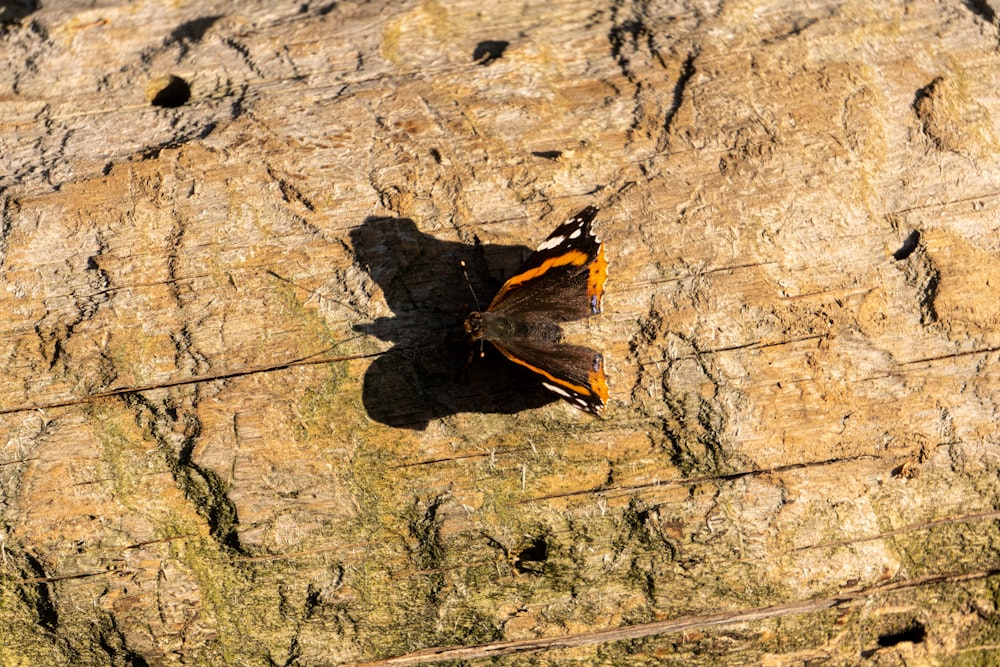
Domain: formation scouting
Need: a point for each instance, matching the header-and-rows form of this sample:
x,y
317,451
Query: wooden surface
x,y
237,422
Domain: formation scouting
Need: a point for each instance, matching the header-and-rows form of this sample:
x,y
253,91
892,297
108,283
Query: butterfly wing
x,y
564,277
574,372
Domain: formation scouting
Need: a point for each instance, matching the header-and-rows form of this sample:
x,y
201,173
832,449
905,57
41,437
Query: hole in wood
x,y
488,51
915,634
168,91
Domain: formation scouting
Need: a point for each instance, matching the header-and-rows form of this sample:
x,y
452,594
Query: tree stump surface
x,y
239,421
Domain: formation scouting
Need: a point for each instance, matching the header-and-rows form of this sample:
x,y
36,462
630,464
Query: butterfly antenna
x,y
469,283
482,351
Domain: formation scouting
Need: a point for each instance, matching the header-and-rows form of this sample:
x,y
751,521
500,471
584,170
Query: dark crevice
x,y
112,642
796,30
425,529
177,432
641,542
244,52
632,34
687,71
925,92
921,274
623,37
37,595
923,107
38,35
58,325
291,193
928,311
914,634
690,429
910,244
238,107
488,51
294,653
622,34
982,9
8,207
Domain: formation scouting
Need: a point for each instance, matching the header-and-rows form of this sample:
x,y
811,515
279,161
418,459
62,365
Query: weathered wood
x,y
199,202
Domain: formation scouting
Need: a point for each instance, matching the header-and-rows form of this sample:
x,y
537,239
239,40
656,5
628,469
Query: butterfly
x,y
563,280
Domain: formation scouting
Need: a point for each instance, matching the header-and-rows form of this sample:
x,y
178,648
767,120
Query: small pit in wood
x,y
169,92
489,50
915,633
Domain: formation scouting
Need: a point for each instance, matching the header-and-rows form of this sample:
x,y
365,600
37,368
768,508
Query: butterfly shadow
x,y
432,370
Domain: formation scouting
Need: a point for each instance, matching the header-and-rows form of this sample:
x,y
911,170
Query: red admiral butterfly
x,y
561,281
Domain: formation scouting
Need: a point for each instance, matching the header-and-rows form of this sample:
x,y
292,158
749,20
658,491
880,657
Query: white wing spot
x,y
576,234
553,242
557,389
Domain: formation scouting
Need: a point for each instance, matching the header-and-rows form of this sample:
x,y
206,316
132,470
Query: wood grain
x,y
238,422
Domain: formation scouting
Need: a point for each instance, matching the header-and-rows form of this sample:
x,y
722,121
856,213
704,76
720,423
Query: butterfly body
x,y
500,327
562,281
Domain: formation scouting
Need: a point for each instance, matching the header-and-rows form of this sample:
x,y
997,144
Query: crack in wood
x,y
194,379
923,525
704,479
949,357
